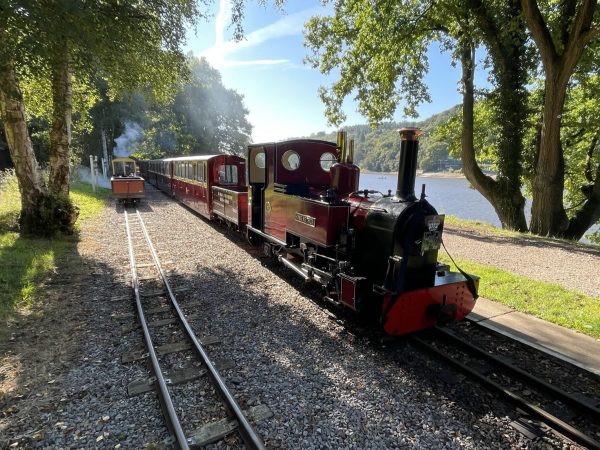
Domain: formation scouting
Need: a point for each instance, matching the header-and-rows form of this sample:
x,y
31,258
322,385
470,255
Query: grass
x,y
547,301
27,262
491,229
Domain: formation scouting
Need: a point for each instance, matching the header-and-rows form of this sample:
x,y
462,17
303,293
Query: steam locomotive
x,y
126,185
373,253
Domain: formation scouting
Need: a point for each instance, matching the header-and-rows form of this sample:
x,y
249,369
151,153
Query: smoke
x,y
83,174
128,141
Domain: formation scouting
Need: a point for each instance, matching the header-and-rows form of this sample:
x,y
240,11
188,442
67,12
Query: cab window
x,y
228,174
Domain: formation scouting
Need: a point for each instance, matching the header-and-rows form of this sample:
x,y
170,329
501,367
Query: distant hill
x,y
378,149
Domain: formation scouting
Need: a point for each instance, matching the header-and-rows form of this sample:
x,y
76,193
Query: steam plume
x,y
127,142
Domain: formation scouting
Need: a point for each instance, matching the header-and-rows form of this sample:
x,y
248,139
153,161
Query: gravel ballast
x,y
326,386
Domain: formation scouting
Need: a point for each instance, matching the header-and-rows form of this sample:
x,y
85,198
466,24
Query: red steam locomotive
x,y
373,253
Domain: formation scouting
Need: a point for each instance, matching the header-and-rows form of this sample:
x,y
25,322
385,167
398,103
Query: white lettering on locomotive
x,y
306,220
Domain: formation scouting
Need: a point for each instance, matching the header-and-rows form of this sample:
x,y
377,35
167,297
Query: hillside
x,y
377,149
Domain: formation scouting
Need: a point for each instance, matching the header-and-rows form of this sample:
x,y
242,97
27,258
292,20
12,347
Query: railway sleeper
x,y
158,310
156,323
141,386
166,349
215,431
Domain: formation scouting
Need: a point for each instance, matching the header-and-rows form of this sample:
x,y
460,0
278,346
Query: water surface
x,y
453,196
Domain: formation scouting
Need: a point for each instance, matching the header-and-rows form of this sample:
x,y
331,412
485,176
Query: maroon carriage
x,y
212,185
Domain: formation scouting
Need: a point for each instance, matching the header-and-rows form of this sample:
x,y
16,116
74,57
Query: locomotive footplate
x,y
449,300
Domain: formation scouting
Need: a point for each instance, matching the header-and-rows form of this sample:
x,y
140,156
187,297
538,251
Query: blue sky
x,y
279,90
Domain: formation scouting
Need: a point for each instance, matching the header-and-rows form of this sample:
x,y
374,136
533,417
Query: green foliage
x,y
485,132
580,134
380,50
203,117
377,149
10,201
50,215
547,301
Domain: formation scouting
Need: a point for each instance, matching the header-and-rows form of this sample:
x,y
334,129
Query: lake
x,y
453,196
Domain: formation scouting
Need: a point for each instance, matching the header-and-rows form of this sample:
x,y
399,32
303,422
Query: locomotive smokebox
x,y
407,167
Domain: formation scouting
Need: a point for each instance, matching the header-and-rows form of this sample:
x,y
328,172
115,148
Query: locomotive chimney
x,y
407,167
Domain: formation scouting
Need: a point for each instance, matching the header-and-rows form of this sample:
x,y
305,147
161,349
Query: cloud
x,y
289,25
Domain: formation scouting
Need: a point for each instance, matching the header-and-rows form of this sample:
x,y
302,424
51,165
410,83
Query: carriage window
x,y
327,160
290,160
228,174
259,160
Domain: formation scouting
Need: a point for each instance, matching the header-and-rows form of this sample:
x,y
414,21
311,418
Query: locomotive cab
x,y
290,194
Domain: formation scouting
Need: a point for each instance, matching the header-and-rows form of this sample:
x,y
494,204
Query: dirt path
x,y
572,266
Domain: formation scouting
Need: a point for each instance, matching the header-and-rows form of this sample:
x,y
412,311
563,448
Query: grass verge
x,y
488,228
547,301
27,262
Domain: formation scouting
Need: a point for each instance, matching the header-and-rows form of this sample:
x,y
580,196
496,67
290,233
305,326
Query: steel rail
x,y
562,395
173,422
489,328
553,421
248,433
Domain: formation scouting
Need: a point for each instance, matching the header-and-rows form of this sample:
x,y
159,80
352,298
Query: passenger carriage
x,y
212,185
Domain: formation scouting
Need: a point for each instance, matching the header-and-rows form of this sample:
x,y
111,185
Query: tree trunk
x,y
42,214
560,54
505,194
548,216
12,112
60,134
588,215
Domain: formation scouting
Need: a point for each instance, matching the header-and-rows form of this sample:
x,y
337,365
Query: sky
x,y
280,91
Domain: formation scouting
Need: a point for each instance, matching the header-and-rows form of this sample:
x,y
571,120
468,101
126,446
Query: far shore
x,y
420,174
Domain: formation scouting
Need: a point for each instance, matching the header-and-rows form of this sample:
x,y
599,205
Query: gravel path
x,y
572,266
327,387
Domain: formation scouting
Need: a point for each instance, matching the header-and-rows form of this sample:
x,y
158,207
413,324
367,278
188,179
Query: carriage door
x,y
257,163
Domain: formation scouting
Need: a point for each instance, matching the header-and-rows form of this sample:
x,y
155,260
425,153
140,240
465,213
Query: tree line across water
x,y
537,122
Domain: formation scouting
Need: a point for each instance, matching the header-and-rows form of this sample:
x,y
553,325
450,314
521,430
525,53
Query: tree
x,y
210,117
563,33
131,44
380,50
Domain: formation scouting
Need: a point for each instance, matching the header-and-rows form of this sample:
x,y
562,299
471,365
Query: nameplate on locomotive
x,y
306,220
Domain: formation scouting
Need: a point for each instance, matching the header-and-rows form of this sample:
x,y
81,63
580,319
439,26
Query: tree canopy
x,y
378,51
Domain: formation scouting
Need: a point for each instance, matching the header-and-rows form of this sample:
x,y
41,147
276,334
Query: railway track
x,y
164,360
573,415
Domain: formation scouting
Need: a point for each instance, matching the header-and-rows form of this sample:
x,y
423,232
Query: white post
x,y
95,174
92,172
103,167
